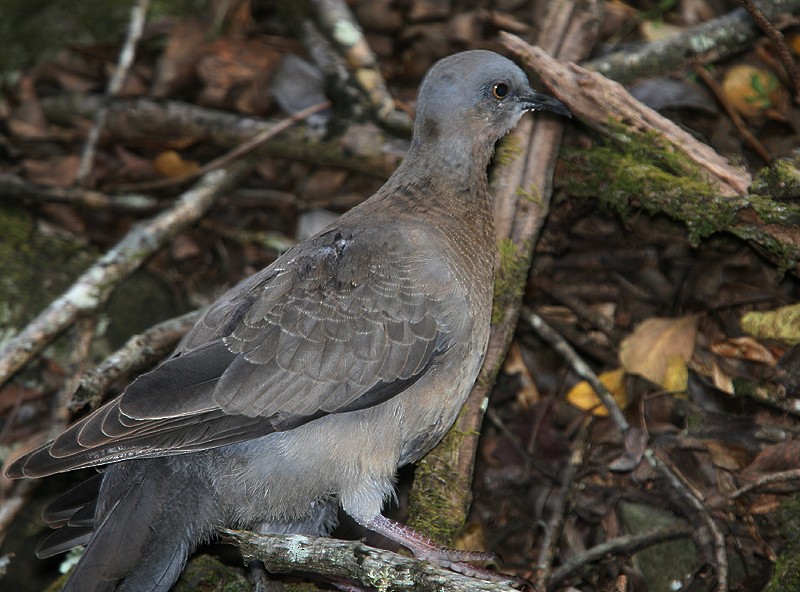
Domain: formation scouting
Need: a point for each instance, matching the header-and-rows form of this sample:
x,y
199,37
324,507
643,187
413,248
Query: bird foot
x,y
424,548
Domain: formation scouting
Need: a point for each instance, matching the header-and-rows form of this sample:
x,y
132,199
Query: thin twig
x,y
21,191
579,366
778,41
563,499
737,120
126,56
706,43
779,477
618,546
78,356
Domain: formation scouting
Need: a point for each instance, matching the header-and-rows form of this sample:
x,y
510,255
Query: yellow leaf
x,y
649,349
582,395
676,375
781,324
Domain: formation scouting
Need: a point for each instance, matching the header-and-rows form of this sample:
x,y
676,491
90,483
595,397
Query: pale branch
x,y
708,42
93,288
341,26
124,63
624,545
368,566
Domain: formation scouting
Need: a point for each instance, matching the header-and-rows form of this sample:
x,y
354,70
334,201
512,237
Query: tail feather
x,y
140,541
80,499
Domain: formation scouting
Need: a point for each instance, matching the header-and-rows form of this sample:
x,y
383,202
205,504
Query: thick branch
x,y
442,489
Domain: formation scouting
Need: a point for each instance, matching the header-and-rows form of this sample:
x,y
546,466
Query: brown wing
x,y
339,324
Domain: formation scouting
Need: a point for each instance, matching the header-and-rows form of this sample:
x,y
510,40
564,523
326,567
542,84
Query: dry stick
x,y
237,153
778,41
779,477
563,502
21,191
596,100
135,28
618,546
737,120
583,370
441,494
147,117
341,26
93,288
78,356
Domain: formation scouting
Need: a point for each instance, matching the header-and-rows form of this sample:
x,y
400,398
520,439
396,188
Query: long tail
x,y
142,532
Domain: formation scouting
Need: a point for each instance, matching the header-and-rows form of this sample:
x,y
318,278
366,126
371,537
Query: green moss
x,y
508,151
780,180
786,574
205,573
34,268
634,178
509,281
532,194
440,499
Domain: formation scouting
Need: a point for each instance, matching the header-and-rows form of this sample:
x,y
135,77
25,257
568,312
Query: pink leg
x,y
427,550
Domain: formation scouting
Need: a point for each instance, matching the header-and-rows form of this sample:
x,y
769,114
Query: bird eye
x,y
500,90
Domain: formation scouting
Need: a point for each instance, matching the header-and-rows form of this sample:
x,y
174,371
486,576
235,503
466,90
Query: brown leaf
x,y
650,349
58,171
176,66
744,348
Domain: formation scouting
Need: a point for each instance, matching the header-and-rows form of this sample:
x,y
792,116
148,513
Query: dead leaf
x,y
583,396
58,171
176,66
652,348
527,394
744,348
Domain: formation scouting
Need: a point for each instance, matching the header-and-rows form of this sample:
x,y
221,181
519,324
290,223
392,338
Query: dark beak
x,y
536,101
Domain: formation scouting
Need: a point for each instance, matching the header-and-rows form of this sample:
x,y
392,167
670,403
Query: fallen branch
x,y
146,117
709,42
370,567
607,107
124,63
650,163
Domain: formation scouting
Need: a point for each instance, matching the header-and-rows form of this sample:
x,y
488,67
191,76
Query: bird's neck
x,y
448,176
